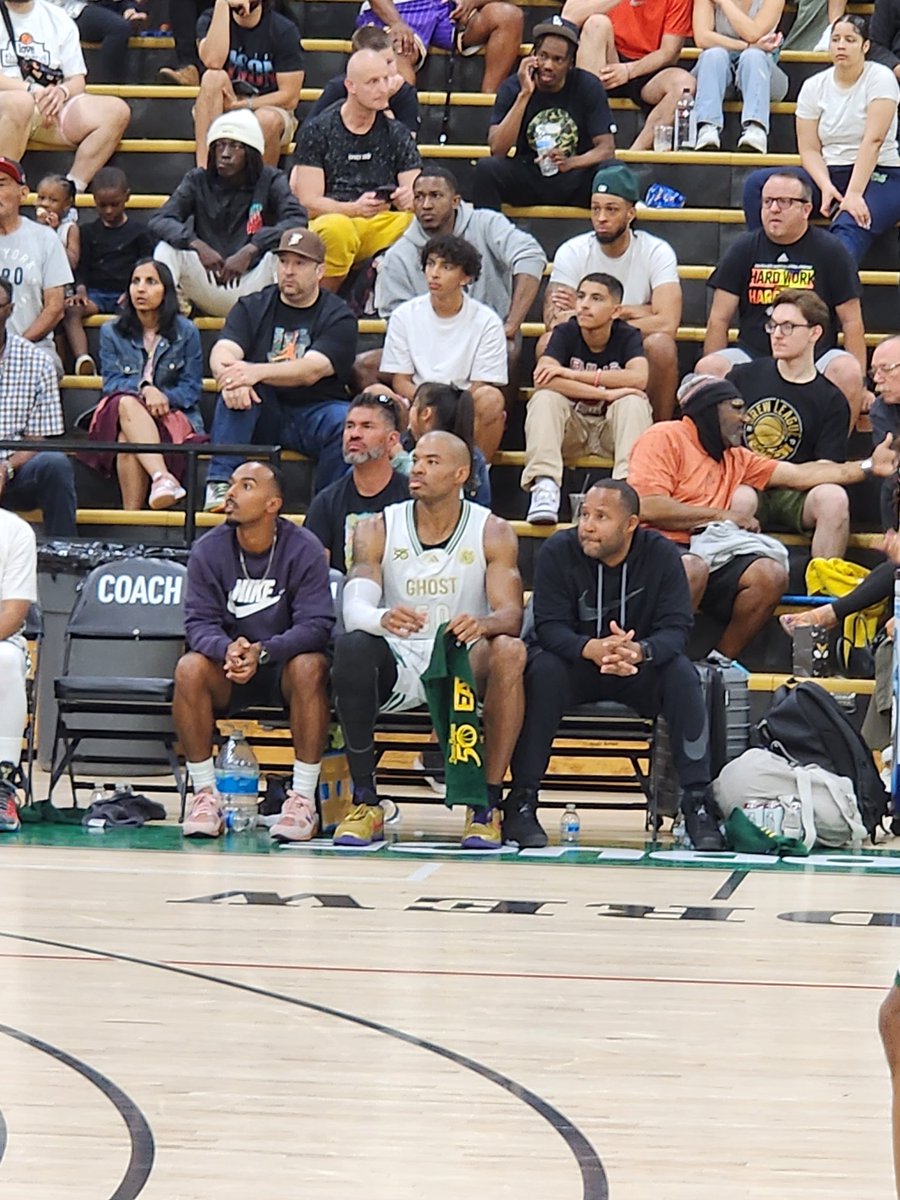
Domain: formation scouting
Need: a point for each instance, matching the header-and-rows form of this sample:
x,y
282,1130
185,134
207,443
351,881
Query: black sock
x,y
495,794
365,784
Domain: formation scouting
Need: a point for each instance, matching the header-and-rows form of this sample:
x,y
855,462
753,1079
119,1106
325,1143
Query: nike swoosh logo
x,y
247,610
695,748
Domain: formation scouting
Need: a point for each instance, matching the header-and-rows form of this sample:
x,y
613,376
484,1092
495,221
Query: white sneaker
x,y
707,138
214,500
754,138
544,507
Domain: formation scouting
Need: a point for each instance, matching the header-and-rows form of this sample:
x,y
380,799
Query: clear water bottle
x,y
237,782
774,817
684,113
544,143
100,793
569,826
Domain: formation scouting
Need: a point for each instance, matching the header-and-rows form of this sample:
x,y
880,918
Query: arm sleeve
x,y
187,389
881,84
843,275
406,156
57,271
337,341
877,586
556,606
560,344
397,277
71,58
755,470
663,263
679,18
653,470
567,265
831,440
731,273
599,117
517,250
286,54
882,37
204,603
19,578
504,100
490,362
396,357
310,148
239,325
808,101
312,607
171,224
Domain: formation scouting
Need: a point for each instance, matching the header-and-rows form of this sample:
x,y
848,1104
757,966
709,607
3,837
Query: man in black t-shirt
x,y
558,119
787,252
371,437
590,396
794,414
253,61
354,171
282,366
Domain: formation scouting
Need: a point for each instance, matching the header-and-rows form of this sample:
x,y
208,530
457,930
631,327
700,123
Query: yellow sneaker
x,y
484,834
363,825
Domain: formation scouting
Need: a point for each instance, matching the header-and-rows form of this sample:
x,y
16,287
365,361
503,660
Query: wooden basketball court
x,y
195,1022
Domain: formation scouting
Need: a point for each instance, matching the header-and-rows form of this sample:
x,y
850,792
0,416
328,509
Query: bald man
x,y
433,559
354,169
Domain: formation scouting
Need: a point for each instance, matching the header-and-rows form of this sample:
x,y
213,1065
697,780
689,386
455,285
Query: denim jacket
x,y
178,369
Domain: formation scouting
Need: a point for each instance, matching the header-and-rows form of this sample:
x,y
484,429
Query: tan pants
x,y
556,433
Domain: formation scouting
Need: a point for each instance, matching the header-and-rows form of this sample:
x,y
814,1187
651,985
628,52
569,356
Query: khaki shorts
x,y
55,134
781,509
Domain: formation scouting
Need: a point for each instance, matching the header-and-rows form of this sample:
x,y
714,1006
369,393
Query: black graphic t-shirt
x,y
756,269
568,347
355,162
792,422
573,116
338,509
257,55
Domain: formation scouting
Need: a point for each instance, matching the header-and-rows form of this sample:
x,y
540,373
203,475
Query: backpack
x,y
806,725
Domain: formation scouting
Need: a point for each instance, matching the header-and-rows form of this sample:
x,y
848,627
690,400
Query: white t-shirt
x,y
457,350
50,36
32,258
18,559
841,113
647,263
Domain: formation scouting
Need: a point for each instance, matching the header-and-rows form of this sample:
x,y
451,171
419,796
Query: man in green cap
x,y
645,266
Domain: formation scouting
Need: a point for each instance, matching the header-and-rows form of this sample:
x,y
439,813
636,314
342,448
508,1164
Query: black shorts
x,y
632,89
722,587
262,691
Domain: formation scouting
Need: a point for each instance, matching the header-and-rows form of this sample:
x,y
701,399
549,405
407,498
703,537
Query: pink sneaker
x,y
205,818
165,492
299,821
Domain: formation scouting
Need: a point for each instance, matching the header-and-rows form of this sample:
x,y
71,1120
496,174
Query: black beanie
x,y
702,405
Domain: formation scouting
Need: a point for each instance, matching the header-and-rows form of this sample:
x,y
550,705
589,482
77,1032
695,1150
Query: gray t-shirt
x,y
32,259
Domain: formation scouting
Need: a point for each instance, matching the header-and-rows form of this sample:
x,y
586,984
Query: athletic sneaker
x,y
707,138
520,823
299,821
205,818
165,491
701,820
544,506
214,499
483,834
754,139
9,812
363,825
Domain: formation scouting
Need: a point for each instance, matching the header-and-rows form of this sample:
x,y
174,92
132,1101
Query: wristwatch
x,y
10,470
646,650
866,466
263,657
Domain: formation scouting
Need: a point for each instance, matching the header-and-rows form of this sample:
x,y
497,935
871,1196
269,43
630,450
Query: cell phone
x,y
833,209
385,192
532,71
243,87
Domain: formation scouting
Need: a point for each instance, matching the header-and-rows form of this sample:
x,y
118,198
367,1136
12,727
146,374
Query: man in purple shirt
x,y
258,617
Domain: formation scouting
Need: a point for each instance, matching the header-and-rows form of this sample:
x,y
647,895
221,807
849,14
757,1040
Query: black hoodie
x,y
648,593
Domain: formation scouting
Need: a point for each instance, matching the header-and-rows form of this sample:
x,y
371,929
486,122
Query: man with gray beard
x,y
371,438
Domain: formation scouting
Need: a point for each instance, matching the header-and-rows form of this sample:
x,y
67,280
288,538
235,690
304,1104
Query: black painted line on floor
x,y
140,1162
593,1176
731,885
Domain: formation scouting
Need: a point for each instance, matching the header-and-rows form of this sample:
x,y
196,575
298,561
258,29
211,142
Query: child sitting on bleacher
x,y
110,248
56,209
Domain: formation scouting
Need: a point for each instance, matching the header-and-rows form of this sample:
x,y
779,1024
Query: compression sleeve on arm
x,y
361,609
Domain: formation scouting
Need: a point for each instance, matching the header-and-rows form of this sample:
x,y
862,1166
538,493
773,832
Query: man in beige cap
x,y
283,365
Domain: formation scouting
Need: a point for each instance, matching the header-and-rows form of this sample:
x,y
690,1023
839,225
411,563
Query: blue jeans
x,y
46,481
755,74
882,195
313,429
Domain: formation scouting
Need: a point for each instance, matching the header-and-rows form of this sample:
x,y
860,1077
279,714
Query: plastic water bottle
x,y
684,112
237,782
544,143
100,793
774,817
569,826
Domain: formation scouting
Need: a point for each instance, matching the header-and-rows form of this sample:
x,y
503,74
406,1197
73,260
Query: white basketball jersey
x,y
440,584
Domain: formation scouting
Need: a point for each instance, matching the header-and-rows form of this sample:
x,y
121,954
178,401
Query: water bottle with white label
x,y
544,143
237,782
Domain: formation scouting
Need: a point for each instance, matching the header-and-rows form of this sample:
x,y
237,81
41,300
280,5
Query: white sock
x,y
11,750
306,777
203,775
80,185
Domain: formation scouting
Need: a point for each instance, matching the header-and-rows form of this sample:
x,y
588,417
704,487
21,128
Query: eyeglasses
x,y
785,327
782,201
884,369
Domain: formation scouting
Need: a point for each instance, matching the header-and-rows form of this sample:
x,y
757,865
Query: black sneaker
x,y
701,821
520,823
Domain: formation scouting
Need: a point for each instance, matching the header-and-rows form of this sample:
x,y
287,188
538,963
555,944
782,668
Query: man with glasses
x,y
787,252
795,414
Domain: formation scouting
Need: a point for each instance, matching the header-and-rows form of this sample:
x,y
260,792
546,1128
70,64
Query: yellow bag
x,y
837,577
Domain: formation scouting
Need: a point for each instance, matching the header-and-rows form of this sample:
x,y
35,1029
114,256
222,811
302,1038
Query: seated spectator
x,y
354,171
847,137
253,62
464,28
56,209
258,618
512,261
152,372
446,337
370,441
884,34
645,266
18,591
612,616
282,366
403,99
634,50
111,247
183,16
551,101
788,252
589,396
737,49
442,407
796,415
44,101
432,561
811,26
30,408
218,228
111,23
885,416
689,473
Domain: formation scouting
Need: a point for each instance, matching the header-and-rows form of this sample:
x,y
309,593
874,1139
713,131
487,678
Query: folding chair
x,y
123,640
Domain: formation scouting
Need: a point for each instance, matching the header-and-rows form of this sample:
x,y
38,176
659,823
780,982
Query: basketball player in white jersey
x,y
433,559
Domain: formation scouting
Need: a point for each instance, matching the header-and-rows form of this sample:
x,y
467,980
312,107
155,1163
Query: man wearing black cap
x,y
558,119
282,366
693,472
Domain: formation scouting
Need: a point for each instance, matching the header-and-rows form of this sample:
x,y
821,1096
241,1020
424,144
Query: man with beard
x,y
258,616
371,437
219,227
612,616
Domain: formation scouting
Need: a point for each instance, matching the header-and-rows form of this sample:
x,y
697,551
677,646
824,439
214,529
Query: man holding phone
x,y
354,170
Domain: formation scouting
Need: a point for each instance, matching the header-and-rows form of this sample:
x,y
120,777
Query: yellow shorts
x,y
351,240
